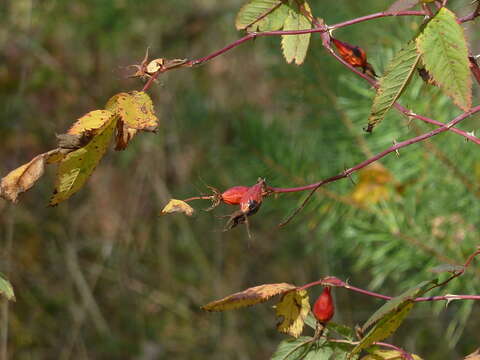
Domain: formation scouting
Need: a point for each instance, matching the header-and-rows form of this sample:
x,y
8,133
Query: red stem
x,y
253,35
391,149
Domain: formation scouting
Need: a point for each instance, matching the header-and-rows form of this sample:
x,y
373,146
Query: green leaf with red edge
x,y
262,15
395,303
444,51
77,166
135,110
249,297
295,47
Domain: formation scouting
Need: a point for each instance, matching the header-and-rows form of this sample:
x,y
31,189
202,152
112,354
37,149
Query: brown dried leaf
x,y
175,205
249,297
24,177
123,136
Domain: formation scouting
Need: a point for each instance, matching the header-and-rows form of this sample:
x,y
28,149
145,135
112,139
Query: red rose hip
x,y
323,309
234,195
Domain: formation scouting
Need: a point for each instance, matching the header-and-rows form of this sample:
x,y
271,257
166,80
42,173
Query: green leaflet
x,y
295,47
272,13
77,166
303,348
444,51
390,316
393,304
293,348
385,327
6,288
393,82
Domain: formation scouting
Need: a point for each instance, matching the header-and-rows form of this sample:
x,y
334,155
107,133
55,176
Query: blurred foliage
x,y
102,276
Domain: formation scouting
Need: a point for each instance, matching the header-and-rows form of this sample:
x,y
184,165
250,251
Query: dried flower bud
x,y
323,309
354,55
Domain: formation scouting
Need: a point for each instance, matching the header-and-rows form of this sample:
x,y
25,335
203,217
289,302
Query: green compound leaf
x,y
77,166
6,288
444,51
262,15
306,348
295,47
393,82
293,349
385,327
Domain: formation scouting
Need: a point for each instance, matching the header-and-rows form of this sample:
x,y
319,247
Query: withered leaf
x,y
123,136
175,205
249,297
24,177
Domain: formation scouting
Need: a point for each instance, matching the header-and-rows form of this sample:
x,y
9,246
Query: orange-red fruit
x,y
323,309
234,195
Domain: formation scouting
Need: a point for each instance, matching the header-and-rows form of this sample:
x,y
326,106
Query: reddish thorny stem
x,y
332,281
324,31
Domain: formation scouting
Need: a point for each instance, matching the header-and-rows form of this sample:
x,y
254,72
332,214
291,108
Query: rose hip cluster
x,y
249,199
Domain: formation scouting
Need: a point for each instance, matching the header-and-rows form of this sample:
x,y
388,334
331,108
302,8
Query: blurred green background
x,y
102,276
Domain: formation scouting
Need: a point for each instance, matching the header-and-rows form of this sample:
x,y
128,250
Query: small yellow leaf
x,y
373,186
93,120
251,296
135,110
388,355
23,178
178,206
293,308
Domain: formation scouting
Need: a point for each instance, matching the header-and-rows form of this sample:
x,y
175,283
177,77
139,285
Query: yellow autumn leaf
x,y
24,177
293,308
249,297
93,120
175,205
388,355
77,166
135,109
373,186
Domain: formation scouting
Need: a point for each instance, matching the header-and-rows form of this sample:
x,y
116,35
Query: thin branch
x,y
313,187
376,16
402,109
471,16
319,28
336,282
